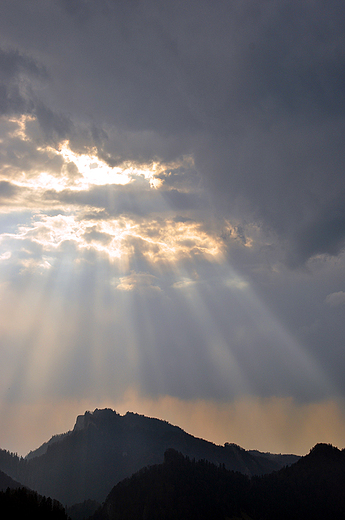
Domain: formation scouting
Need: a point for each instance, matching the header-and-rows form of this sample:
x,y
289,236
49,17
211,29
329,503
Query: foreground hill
x,y
105,447
23,503
18,502
311,489
7,482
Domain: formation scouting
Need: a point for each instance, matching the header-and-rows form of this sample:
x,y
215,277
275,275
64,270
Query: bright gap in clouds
x,y
77,171
80,173
96,172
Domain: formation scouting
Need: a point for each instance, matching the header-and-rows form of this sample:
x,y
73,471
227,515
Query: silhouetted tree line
x,y
184,489
22,503
11,464
82,510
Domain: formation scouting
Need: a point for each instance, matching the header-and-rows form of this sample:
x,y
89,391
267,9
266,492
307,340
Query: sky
x,y
172,218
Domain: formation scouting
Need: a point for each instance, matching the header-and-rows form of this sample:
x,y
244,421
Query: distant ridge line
x,y
105,447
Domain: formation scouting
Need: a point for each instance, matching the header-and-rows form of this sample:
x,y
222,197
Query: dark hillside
x,y
8,482
311,489
20,503
177,489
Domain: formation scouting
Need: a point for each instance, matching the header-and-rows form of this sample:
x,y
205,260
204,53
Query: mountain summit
x,y
104,448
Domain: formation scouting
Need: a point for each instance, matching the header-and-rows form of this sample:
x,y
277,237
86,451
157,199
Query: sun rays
x,y
120,281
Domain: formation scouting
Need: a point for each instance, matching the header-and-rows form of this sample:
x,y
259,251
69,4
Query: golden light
x,y
93,170
20,123
166,242
96,172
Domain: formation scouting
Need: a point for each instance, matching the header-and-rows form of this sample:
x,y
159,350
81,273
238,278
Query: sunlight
x,y
20,126
166,242
93,170
96,172
150,295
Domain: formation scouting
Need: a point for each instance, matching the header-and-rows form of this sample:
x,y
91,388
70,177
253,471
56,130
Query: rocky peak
x,y
96,418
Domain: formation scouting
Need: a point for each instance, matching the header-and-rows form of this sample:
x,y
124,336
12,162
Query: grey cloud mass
x,y
255,92
131,199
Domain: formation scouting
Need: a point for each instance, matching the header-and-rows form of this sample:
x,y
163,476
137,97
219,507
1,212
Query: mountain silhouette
x,y
105,447
184,489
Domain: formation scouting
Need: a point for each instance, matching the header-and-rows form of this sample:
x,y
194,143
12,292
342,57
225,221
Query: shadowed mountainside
x,y
184,489
105,447
8,482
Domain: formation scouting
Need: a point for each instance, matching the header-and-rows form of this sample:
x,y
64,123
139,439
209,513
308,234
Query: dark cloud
x,y
56,127
95,215
16,71
13,64
7,190
325,234
97,236
129,199
255,92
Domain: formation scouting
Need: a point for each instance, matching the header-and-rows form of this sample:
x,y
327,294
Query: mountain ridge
x,y
184,489
85,420
105,447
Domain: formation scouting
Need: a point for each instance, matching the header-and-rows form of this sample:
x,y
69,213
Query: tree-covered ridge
x,y
184,489
14,466
178,488
8,482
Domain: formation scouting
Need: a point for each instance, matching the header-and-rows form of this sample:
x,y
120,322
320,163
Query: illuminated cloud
x,y
137,281
59,185
116,211
182,284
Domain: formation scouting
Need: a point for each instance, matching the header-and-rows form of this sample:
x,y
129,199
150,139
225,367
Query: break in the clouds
x,y
172,203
